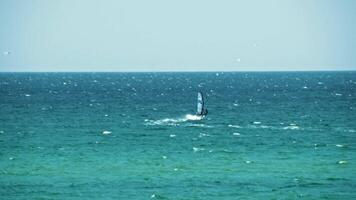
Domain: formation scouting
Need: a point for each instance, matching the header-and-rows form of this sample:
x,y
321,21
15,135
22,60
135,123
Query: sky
x,y
177,35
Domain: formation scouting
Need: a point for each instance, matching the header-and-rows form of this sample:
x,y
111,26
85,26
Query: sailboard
x,y
201,108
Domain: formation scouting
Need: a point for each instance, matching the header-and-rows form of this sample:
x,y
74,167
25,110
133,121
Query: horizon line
x,y
182,71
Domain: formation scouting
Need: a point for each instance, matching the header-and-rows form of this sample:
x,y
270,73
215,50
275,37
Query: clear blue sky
x,y
179,35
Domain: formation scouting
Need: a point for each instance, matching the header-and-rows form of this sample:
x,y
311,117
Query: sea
x,y
268,135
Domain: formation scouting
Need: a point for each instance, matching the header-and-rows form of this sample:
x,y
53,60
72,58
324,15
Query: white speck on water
x,y
342,162
175,169
257,123
106,132
196,149
339,145
11,158
203,135
248,162
27,95
236,134
305,87
2,131
6,53
235,104
338,94
153,196
234,126
106,115
172,135
291,127
164,157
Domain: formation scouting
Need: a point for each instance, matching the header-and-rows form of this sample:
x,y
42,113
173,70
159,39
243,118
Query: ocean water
x,y
130,136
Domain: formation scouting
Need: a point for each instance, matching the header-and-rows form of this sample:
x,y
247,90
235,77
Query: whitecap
x,y
193,117
342,162
234,126
264,126
196,149
200,125
27,95
291,128
175,121
166,121
257,123
236,134
339,145
106,132
172,135
203,135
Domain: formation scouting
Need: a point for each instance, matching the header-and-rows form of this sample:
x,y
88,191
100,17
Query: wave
x,y
176,121
284,127
259,126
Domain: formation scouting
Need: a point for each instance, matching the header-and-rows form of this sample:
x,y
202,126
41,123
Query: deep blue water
x,y
280,135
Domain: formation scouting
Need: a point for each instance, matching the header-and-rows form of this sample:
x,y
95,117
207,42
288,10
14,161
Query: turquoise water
x,y
127,136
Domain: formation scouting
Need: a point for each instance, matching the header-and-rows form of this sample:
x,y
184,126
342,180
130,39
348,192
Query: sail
x,y
200,105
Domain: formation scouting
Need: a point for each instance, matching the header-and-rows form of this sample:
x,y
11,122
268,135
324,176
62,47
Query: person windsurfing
x,y
201,108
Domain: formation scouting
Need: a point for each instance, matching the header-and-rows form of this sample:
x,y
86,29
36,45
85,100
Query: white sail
x,y
200,105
